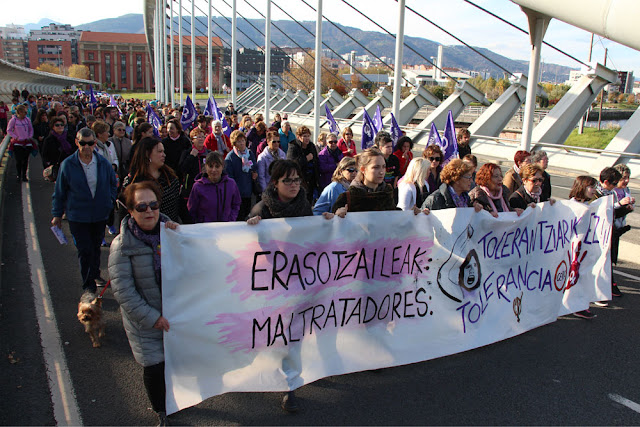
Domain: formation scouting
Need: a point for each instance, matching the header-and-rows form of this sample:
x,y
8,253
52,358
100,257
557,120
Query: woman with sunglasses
x,y
347,144
340,181
434,155
134,269
284,198
56,146
328,160
531,189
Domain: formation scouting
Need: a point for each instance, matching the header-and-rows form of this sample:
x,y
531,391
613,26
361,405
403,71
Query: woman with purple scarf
x,y
136,280
56,146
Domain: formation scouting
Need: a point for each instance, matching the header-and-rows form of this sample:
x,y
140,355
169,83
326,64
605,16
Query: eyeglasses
x,y
82,142
142,207
351,170
435,159
275,141
348,134
333,141
534,180
58,125
292,181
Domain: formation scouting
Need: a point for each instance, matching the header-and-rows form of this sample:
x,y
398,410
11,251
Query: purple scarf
x,y
62,139
151,239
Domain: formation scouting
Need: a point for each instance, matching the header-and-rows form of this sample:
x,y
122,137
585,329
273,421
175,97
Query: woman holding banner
x,y
434,155
368,191
134,269
454,191
285,198
490,192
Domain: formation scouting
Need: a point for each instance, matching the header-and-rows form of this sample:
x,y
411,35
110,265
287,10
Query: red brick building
x,y
121,61
56,52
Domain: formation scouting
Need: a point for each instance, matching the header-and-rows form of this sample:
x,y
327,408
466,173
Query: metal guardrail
x,y
3,147
567,148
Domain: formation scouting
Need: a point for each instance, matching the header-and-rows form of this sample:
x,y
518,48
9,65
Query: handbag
x,y
50,173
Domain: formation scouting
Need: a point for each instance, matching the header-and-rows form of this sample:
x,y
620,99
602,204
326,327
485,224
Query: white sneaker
x,y
601,304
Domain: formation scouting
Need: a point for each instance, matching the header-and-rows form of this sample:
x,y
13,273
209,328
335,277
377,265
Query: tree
x,y
439,91
621,98
302,77
79,71
631,99
48,67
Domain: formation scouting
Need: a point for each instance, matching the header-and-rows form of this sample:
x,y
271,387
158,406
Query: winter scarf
x,y
151,239
297,207
246,163
491,198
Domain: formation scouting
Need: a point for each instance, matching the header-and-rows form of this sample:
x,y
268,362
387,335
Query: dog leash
x,y
105,288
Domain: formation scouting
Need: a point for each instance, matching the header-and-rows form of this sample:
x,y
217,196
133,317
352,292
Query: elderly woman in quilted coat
x,y
136,280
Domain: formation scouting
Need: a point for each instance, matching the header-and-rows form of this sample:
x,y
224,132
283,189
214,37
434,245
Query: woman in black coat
x,y
530,191
304,152
57,146
284,198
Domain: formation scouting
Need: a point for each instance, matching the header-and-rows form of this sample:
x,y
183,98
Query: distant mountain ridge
x,y
381,44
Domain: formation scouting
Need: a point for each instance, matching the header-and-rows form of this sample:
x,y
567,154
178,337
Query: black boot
x,y
290,402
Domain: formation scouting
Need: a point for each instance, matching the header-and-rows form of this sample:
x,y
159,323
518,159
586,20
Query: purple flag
x,y
154,120
80,92
217,115
92,99
189,114
434,136
333,126
449,141
368,131
208,111
377,120
396,132
113,103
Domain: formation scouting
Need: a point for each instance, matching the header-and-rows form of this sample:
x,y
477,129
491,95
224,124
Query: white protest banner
x,y
278,305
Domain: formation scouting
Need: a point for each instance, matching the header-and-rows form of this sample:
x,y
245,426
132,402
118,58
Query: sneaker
x,y
290,402
112,230
584,314
615,291
601,304
162,419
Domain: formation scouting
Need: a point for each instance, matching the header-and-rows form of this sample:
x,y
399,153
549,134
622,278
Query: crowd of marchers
x,y
113,171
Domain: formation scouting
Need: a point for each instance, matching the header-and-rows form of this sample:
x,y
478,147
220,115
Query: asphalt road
x,y
562,373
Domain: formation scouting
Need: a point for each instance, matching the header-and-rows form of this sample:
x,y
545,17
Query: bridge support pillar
x,y
558,124
297,100
627,139
463,95
419,97
287,96
383,98
354,100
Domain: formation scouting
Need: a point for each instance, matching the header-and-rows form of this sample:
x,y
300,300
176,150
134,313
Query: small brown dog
x,y
90,315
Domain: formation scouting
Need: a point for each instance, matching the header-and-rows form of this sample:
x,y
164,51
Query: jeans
x,y
87,237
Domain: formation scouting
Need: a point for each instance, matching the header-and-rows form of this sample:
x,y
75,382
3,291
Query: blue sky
x,y
465,21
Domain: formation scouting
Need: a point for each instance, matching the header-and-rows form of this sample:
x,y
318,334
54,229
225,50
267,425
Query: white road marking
x,y
65,407
627,275
624,401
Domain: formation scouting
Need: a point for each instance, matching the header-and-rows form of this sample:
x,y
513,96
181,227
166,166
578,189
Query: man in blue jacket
x,y
86,191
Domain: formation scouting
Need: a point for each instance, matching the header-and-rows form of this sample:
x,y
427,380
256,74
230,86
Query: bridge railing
x,y
3,147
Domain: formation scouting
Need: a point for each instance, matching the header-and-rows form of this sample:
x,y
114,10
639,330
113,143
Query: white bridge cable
x,y
357,42
394,37
189,33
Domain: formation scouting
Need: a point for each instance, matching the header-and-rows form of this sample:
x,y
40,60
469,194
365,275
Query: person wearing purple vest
x,y
328,160
214,196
